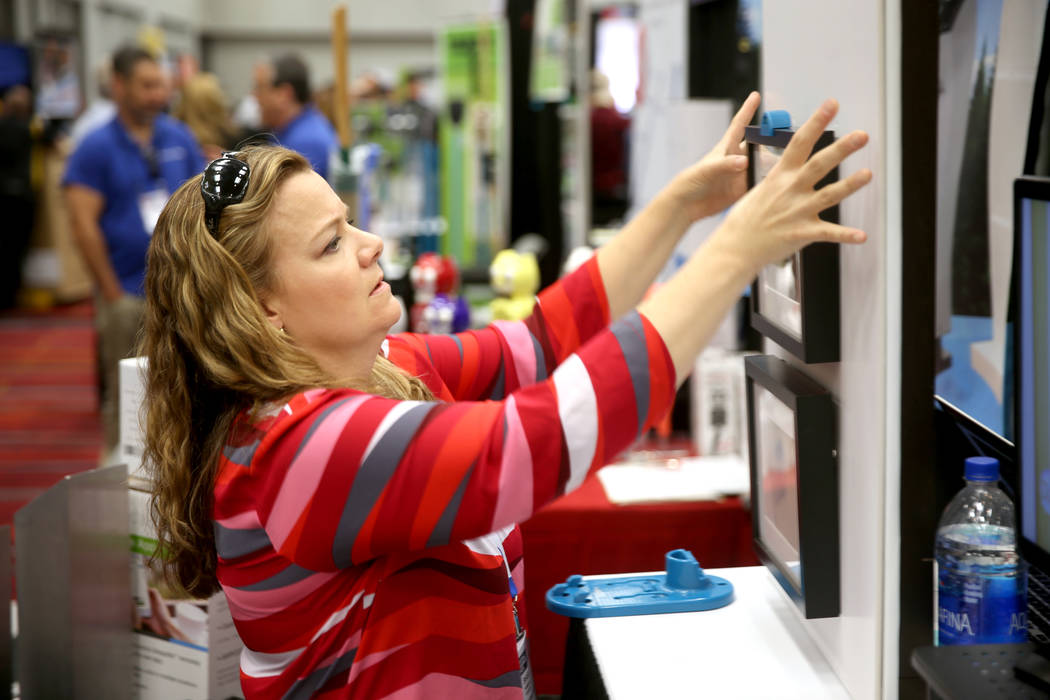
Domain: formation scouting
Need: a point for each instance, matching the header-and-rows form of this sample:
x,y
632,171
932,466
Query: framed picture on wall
x,y
794,482
795,302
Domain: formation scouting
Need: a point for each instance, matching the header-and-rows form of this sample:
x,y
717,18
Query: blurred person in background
x,y
609,132
185,67
116,183
203,108
57,86
16,192
373,84
282,88
102,109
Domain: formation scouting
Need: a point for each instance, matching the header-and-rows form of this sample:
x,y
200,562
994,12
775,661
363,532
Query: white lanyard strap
x,y
513,589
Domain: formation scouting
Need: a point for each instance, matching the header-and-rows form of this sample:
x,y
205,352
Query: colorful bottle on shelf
x,y
980,591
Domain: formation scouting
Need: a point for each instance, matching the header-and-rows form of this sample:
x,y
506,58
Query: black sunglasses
x,y
224,183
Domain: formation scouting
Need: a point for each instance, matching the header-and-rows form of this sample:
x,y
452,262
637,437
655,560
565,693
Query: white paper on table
x,y
695,479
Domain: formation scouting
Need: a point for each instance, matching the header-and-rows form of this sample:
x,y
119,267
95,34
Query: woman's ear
x,y
273,315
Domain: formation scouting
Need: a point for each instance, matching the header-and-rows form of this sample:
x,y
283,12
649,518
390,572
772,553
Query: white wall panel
x,y
892,163
814,50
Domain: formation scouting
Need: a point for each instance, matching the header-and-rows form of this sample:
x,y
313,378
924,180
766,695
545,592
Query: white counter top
x,y
755,647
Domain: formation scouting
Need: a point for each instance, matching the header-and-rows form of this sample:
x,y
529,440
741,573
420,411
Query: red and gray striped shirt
x,y
361,540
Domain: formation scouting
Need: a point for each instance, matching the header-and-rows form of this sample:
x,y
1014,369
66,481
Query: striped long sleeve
x,y
362,540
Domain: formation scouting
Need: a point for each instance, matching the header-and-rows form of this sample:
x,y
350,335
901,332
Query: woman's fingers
x,y
733,139
780,214
824,160
829,196
801,144
834,233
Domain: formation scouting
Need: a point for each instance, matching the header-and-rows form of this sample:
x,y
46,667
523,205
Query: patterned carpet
x,y
49,418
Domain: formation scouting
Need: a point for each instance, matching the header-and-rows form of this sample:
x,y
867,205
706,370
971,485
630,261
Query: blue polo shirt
x,y
111,163
311,134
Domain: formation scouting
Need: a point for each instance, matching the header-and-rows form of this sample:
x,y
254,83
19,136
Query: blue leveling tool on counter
x,y
683,588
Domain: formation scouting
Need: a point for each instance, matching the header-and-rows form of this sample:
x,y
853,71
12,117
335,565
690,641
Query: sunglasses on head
x,y
224,183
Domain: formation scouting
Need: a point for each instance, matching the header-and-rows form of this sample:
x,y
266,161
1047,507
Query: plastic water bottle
x,y
981,582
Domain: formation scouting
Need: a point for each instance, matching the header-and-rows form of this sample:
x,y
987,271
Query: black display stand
x,y
979,671
535,148
581,679
917,187
814,587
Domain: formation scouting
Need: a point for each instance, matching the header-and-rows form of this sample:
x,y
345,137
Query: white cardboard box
x,y
719,404
132,385
185,649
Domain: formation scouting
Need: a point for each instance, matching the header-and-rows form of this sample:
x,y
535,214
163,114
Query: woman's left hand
x,y
720,177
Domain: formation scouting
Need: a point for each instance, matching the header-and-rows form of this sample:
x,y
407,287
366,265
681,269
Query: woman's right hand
x,y
779,215
773,220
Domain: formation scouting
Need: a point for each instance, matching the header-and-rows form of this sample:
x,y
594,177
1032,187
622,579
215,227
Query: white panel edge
x,y
891,34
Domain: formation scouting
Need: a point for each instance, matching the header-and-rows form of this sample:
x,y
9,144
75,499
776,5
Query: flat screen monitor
x,y
1025,462
1031,299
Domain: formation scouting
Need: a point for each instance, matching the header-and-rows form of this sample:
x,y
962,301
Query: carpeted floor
x,y
49,418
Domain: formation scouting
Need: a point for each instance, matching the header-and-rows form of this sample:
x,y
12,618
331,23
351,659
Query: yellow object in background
x,y
152,39
515,277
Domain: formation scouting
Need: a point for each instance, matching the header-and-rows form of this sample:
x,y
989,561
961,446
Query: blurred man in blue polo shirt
x,y
116,182
285,108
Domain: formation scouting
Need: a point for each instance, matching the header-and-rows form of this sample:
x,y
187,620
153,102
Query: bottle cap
x,y
981,469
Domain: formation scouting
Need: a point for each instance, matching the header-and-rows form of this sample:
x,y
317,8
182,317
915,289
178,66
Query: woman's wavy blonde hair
x,y
212,354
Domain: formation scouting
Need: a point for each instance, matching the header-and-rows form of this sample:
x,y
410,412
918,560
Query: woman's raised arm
x,y
772,221
631,261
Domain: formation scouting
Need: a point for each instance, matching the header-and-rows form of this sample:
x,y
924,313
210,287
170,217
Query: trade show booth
x,y
844,392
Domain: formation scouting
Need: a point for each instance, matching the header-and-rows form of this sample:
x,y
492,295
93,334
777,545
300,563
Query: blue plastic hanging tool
x,y
684,587
774,119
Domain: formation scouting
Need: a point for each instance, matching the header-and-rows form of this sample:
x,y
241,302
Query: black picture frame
x,y
813,581
816,271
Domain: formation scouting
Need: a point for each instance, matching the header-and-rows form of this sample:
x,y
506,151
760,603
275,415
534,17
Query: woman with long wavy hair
x,y
202,106
355,495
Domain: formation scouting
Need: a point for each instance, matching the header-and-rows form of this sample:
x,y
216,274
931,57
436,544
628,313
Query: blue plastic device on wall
x,y
684,587
774,119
